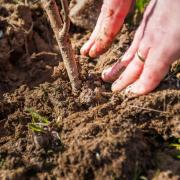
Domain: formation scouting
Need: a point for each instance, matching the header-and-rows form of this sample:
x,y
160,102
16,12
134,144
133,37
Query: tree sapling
x,y
60,24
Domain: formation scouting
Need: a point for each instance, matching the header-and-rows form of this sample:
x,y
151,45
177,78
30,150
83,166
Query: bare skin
x,y
157,40
111,19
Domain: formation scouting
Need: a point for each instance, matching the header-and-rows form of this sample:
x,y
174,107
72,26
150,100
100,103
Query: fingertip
x,y
99,47
112,73
83,51
116,86
105,74
152,75
138,89
86,47
93,51
113,89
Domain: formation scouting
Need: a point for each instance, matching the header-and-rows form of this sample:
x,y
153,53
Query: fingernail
x,y
138,89
106,71
92,51
131,89
85,48
83,51
114,86
128,89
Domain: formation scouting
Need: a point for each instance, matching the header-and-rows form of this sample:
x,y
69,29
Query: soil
x,y
81,12
94,134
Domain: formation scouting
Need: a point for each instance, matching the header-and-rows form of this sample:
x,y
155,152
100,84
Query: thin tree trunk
x,y
60,25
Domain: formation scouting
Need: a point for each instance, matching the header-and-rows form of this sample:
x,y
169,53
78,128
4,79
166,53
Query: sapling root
x,y
60,24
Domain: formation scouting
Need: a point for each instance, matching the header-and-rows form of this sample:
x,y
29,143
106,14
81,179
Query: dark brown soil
x,y
102,135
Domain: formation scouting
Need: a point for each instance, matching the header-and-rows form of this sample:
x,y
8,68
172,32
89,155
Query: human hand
x,y
155,47
109,23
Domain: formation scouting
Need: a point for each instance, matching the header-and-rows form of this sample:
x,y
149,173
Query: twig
x,y
60,25
150,109
26,2
43,53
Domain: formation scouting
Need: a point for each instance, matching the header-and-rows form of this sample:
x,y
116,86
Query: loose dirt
x,y
102,135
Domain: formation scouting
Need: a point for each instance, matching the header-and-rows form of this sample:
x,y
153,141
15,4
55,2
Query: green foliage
x,y
38,122
176,69
138,173
141,4
176,145
18,1
2,158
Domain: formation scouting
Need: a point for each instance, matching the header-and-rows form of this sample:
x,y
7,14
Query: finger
x,y
112,73
114,13
132,72
101,45
138,37
130,53
155,69
87,46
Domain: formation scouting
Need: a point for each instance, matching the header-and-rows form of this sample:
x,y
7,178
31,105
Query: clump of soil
x,y
102,135
81,12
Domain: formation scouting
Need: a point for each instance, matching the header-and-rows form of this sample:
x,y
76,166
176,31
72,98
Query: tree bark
x,y
60,24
